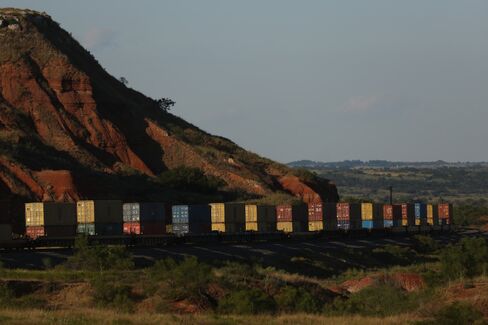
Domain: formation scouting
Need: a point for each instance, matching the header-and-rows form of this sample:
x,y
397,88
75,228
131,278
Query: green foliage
x,y
469,214
382,300
99,257
109,292
247,301
394,254
457,313
425,244
468,258
190,179
188,279
291,299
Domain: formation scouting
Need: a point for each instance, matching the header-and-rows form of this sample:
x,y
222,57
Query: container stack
x,y
191,219
378,216
420,214
260,218
388,216
330,216
432,215
144,218
367,215
99,217
51,219
445,214
228,217
291,218
315,217
343,217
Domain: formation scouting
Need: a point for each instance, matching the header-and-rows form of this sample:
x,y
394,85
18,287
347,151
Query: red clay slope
x,y
62,114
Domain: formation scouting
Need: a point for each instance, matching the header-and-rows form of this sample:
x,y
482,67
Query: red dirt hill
x,y
69,130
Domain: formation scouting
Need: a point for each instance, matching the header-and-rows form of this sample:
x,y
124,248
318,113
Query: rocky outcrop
x,y
64,121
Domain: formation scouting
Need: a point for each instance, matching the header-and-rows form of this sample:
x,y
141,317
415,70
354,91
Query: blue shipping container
x,y
343,224
388,223
368,224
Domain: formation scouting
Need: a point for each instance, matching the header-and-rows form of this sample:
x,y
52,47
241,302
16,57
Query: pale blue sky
x,y
320,80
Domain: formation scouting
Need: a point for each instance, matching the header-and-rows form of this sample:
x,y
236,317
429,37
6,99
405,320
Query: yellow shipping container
x,y
85,211
217,211
430,211
220,227
404,222
430,221
315,226
367,211
34,214
251,226
417,222
251,213
169,229
284,226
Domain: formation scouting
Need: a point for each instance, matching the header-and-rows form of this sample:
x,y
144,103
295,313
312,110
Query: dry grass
x,y
94,316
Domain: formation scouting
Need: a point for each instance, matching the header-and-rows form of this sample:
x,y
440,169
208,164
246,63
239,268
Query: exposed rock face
x,y
63,119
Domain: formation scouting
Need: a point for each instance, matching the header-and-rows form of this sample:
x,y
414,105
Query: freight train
x,y
140,223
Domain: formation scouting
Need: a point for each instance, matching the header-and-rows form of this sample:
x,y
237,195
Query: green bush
x,y
99,257
190,179
291,299
109,292
381,300
188,279
456,314
425,244
468,258
247,301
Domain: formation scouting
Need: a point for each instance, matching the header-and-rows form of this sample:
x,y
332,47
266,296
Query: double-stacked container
x,y
367,215
378,216
99,217
315,217
191,219
408,214
260,218
420,214
432,215
292,218
330,216
144,218
53,219
388,216
445,213
398,212
228,217
349,216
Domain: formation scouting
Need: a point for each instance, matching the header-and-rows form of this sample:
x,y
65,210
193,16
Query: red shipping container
x,y
284,213
343,211
444,211
315,212
132,228
404,212
388,212
34,231
153,228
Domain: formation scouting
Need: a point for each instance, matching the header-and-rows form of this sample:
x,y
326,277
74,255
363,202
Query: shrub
x,y
394,254
247,301
190,179
291,299
457,313
425,244
382,300
110,293
99,258
188,279
468,258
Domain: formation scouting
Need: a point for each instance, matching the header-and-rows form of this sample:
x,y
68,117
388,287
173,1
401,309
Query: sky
x,y
324,80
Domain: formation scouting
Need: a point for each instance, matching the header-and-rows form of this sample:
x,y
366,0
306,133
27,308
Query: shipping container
x,y
192,228
378,216
5,232
144,212
445,213
292,213
50,214
388,223
398,215
388,212
315,212
100,212
367,224
229,227
228,213
420,211
194,219
101,229
260,213
330,215
86,229
287,226
355,216
366,211
315,225
261,226
343,224
34,232
343,211
132,228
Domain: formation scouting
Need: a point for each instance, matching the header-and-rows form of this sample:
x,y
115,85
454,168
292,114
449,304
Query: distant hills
x,y
358,164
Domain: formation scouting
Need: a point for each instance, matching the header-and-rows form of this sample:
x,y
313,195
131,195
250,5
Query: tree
x,y
165,104
124,81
